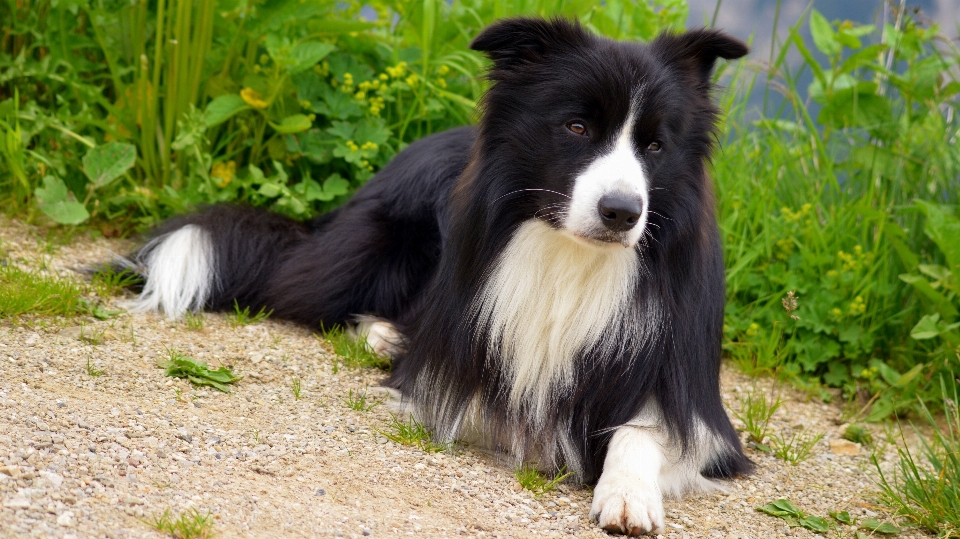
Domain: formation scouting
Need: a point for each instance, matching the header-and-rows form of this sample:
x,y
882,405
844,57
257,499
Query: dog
x,y
549,283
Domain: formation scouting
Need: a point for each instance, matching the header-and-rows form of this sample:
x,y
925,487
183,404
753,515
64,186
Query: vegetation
x,y
197,372
358,401
795,517
755,412
413,433
536,482
190,524
355,352
242,317
30,292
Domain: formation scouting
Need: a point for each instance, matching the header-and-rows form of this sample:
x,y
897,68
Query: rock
x,y
32,339
17,502
66,519
12,471
844,447
52,479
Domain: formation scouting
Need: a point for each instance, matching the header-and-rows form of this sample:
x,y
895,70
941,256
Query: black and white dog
x,y
549,283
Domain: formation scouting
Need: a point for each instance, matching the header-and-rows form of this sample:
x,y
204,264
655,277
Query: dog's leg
x,y
628,498
381,336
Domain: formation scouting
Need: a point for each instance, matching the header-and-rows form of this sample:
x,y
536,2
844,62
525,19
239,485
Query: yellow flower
x,y
443,70
369,146
223,172
412,79
352,145
253,98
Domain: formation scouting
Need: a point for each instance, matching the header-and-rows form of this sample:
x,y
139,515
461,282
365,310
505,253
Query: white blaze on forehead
x,y
616,172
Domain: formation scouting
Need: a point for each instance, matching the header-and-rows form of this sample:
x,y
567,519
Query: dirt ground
x,y
95,456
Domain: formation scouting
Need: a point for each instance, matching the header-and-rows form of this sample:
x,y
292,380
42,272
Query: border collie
x,y
549,283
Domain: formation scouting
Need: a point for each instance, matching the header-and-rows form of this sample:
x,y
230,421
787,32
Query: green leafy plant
x,y
242,317
110,281
536,482
857,434
197,372
789,512
356,353
925,485
414,434
190,524
193,320
756,409
358,401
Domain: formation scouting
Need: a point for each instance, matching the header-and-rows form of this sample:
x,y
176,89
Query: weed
x,y
359,403
355,352
925,487
92,370
190,524
756,409
30,293
413,433
178,394
295,386
797,448
90,335
242,317
193,320
197,372
536,482
858,434
111,281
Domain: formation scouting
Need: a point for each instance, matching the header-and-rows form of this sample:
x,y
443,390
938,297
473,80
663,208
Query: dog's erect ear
x,y
519,40
699,49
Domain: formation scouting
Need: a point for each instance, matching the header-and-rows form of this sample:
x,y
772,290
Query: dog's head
x,y
595,136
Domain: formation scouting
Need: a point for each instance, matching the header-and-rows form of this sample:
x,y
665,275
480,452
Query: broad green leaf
x,y
927,328
823,35
57,202
781,507
223,108
943,227
270,190
942,303
306,55
104,164
336,185
374,131
293,124
876,526
815,523
908,376
842,516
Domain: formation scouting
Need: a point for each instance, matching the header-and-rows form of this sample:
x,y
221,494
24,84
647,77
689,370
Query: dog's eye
x,y
654,147
577,128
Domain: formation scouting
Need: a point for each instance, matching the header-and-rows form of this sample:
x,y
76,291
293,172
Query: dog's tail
x,y
211,259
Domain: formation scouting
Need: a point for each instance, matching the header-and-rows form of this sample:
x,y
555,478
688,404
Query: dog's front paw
x,y
627,506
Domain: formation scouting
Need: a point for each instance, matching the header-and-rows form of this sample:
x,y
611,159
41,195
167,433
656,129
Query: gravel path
x,y
89,456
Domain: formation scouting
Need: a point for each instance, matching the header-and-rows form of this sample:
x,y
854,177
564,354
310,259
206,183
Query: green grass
x,y
756,409
109,281
92,370
536,482
295,387
31,293
190,524
243,317
795,447
197,372
355,352
193,320
414,434
924,487
358,401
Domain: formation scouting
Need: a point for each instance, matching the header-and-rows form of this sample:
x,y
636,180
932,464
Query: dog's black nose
x,y
619,213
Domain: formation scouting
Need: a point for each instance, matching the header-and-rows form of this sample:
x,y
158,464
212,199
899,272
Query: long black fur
x,y
415,245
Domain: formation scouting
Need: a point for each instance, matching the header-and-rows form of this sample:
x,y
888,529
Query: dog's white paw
x,y
627,506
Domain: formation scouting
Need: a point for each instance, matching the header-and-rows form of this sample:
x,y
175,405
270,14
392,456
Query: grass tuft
x,y
190,524
193,321
925,487
756,409
413,433
29,292
356,353
536,482
242,317
358,401
197,372
92,370
295,386
111,281
795,449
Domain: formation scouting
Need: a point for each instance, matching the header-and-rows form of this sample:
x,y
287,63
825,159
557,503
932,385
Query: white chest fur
x,y
549,297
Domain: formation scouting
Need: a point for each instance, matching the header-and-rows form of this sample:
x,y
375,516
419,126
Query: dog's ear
x,y
699,49
511,42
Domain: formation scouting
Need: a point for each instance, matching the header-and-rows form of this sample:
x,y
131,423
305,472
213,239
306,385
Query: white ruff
x,y
549,297
179,268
